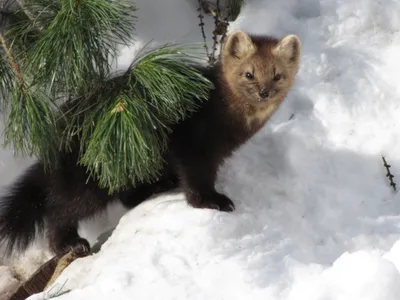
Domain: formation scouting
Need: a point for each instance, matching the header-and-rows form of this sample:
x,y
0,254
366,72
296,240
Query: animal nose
x,y
264,93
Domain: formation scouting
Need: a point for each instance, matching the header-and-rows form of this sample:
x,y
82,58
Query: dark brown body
x,y
237,108
200,144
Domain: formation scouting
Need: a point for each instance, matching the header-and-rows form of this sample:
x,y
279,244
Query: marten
x,y
251,78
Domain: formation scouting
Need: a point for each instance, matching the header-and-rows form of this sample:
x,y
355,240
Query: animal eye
x,y
277,77
249,75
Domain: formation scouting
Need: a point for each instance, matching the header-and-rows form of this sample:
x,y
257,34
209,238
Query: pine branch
x,y
29,14
234,8
168,80
76,46
5,73
118,124
11,60
30,123
19,31
124,126
389,175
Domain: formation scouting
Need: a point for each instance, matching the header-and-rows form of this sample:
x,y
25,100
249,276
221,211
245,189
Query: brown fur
x,y
264,58
234,113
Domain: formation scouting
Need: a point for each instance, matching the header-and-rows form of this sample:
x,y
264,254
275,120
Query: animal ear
x,y
289,49
239,44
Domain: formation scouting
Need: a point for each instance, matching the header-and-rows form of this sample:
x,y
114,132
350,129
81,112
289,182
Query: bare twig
x,y
221,21
220,26
201,24
216,15
226,21
389,175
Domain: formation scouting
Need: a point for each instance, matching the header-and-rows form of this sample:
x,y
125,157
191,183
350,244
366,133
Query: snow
x,y
315,216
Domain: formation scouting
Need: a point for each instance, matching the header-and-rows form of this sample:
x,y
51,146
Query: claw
x,y
214,201
214,206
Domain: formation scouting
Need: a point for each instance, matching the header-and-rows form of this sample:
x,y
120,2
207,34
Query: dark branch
x,y
201,24
389,175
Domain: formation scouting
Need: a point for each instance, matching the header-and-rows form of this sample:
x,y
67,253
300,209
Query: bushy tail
x,y
22,210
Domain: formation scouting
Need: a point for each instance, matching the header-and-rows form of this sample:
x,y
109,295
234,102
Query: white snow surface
x,y
315,216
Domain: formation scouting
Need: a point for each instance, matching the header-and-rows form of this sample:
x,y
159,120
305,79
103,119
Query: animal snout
x,y
264,93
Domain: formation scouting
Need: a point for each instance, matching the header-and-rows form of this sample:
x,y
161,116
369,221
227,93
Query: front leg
x,y
135,195
198,181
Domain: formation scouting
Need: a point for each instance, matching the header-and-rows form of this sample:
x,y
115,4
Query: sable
x,y
251,78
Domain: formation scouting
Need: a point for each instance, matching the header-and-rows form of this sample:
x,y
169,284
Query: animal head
x,y
260,69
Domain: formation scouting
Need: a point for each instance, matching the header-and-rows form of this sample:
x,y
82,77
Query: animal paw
x,y
81,248
77,245
213,201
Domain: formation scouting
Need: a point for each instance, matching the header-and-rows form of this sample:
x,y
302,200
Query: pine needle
x,y
76,45
125,124
125,142
5,75
234,7
168,81
118,124
30,124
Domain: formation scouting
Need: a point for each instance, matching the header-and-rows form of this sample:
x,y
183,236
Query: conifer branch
x,y
234,7
5,74
389,174
117,125
78,43
12,61
30,123
31,126
29,14
124,125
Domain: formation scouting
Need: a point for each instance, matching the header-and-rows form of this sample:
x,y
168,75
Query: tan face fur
x,y
260,71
